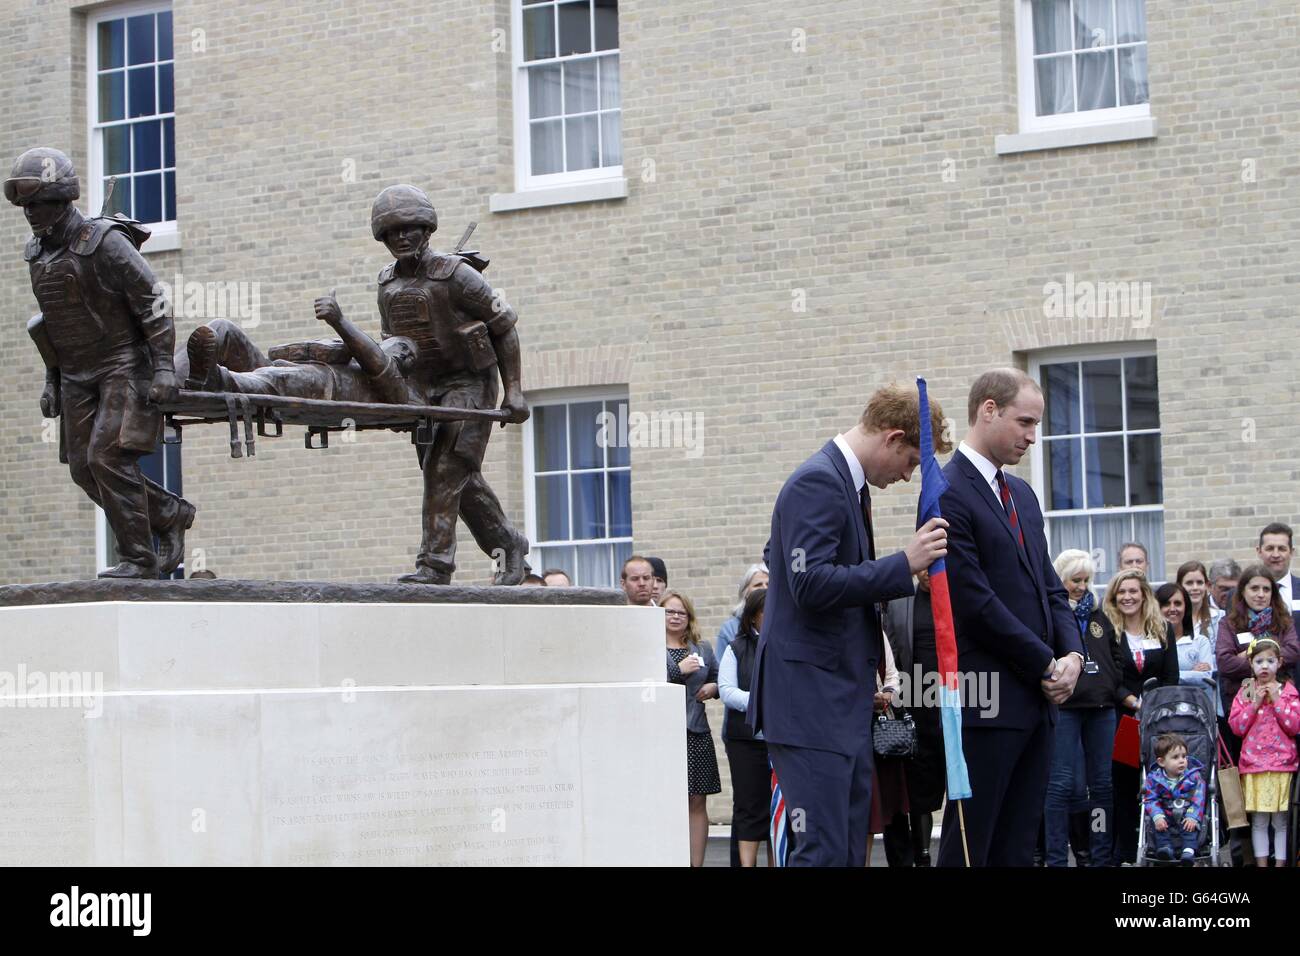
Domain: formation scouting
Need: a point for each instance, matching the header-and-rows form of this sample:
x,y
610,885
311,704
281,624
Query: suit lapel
x,y
995,505
832,451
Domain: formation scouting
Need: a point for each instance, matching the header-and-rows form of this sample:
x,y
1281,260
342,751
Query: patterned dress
x,y
701,759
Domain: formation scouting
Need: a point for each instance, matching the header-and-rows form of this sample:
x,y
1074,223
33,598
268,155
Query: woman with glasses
x,y
691,663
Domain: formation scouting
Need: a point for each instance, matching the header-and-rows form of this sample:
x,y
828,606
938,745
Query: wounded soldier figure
x,y
222,358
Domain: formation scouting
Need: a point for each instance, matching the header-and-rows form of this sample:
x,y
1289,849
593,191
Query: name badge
x,y
1150,644
1244,637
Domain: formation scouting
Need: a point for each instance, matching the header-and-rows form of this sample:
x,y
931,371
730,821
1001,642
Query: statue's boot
x,y
202,351
129,569
425,575
513,566
171,540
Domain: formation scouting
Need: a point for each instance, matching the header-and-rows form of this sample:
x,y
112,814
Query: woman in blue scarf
x,y
1080,778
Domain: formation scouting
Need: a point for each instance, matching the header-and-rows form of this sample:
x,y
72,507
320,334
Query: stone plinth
x,y
192,732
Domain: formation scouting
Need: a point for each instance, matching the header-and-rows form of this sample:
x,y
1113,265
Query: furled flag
x,y
933,485
777,834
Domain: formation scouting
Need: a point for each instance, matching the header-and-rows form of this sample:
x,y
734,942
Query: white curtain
x,y
1130,20
1133,88
1053,77
1091,29
1094,31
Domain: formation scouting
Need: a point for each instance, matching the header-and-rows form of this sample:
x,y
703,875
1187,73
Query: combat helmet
x,y
42,174
401,206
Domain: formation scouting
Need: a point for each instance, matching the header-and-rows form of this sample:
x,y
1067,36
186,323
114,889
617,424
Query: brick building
x,y
721,225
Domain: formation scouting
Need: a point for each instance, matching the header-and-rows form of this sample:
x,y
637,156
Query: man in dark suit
x,y
815,672
1015,629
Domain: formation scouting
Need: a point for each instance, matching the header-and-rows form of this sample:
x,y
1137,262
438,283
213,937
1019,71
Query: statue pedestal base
x,y
197,733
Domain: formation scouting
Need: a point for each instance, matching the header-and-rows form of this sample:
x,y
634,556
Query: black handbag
x,y
894,735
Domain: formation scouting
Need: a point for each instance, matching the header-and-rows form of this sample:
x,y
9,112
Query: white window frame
x,y
1036,132
565,396
525,181
1116,350
1029,118
164,235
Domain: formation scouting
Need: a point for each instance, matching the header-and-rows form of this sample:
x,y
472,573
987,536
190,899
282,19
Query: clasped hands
x,y
1059,684
1257,693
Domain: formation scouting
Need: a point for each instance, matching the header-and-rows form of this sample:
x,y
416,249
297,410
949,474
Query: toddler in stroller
x,y
1178,731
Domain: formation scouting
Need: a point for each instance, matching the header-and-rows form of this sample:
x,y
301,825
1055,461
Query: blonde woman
x,y
691,663
1145,647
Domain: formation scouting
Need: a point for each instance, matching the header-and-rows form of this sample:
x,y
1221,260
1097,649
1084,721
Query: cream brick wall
x,y
774,171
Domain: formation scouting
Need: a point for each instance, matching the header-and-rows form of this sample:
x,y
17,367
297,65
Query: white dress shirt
x,y
1284,589
855,466
987,469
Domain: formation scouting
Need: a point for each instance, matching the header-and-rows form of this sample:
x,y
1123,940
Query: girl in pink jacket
x,y
1266,715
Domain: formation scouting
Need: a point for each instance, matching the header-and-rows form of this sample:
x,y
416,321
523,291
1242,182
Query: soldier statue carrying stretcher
x,y
446,338
106,339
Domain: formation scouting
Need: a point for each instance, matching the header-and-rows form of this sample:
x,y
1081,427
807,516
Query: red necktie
x,y
1137,659
1004,491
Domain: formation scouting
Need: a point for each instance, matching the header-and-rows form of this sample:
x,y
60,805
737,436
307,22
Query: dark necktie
x,y
1009,506
865,497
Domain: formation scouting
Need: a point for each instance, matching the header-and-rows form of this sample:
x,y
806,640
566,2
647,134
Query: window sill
x,y
1114,132
559,195
162,242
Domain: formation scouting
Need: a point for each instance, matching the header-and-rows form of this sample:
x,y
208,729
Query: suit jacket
x,y
815,672
1160,663
1010,609
897,621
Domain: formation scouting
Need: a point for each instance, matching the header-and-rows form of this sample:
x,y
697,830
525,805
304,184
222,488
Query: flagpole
x,y
961,820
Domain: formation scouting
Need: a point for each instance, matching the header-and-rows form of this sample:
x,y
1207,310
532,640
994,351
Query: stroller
x,y
1187,710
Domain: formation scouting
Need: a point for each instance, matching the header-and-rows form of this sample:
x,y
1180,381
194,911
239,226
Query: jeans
x,y
1174,838
1085,740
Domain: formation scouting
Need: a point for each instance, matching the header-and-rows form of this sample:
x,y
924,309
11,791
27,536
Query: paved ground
x,y
718,853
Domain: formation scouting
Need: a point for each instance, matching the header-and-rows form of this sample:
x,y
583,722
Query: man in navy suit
x,y
815,672
1015,629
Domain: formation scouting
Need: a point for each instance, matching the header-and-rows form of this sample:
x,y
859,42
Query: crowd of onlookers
x,y
1223,627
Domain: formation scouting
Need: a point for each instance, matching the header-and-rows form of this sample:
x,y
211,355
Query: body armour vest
x,y
422,308
84,320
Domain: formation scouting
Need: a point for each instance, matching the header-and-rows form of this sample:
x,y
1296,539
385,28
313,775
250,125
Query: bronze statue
x,y
106,338
463,337
446,338
355,369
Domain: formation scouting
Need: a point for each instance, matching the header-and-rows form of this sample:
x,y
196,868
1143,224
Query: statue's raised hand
x,y
327,309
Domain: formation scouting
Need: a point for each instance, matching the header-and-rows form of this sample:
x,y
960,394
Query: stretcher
x,y
266,416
